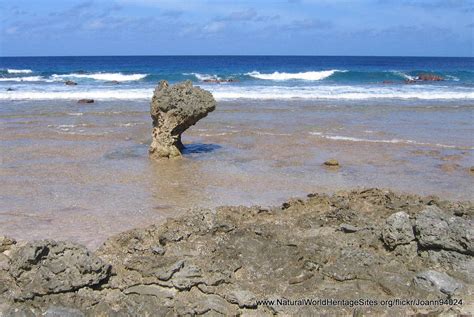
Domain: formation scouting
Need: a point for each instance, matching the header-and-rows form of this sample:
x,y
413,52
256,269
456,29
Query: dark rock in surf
x,y
173,110
86,100
429,77
70,83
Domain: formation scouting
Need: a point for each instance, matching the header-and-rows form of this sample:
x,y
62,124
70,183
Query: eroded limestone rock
x,y
226,260
173,110
436,229
49,267
398,230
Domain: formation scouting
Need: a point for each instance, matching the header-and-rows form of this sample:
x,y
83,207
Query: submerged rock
x,y
173,110
429,77
85,101
332,163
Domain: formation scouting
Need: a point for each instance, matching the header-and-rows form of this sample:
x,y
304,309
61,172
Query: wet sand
x,y
82,173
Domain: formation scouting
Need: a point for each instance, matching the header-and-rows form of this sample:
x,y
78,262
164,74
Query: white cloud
x,y
214,27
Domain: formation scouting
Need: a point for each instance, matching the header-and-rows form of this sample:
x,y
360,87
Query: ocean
x,y
255,77
81,172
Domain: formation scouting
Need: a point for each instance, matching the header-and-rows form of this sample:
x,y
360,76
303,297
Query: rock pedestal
x,y
173,110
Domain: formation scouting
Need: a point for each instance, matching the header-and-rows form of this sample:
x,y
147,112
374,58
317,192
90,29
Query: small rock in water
x,y
85,100
10,89
332,163
471,169
70,83
429,77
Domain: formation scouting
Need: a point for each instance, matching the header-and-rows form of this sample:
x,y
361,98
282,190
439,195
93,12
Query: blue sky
x,y
240,27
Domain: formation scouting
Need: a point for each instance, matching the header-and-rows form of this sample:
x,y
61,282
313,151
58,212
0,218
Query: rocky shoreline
x,y
364,244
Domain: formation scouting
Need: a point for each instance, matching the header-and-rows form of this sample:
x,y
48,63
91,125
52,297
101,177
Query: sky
x,y
239,27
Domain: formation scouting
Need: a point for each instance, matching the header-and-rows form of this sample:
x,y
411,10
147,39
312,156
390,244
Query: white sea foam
x,y
203,77
319,75
102,76
19,71
341,92
99,94
28,78
228,92
406,76
453,78
392,141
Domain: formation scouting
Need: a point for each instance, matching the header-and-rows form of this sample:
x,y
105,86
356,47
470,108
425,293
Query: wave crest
x,y
20,79
319,75
19,71
102,76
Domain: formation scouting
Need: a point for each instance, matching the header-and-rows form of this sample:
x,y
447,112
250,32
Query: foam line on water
x,y
225,92
19,71
391,141
102,76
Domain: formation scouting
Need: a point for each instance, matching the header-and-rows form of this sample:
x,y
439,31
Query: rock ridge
x,y
226,260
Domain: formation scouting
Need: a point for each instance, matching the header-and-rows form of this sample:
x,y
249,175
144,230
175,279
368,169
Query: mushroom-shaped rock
x,y
173,110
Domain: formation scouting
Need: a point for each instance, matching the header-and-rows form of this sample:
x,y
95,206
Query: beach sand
x,y
82,172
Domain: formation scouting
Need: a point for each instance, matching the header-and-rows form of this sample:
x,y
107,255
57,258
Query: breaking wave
x,y
19,71
102,76
203,77
319,75
20,79
230,92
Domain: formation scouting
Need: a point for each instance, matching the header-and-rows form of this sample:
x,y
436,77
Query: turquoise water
x,y
234,77
82,172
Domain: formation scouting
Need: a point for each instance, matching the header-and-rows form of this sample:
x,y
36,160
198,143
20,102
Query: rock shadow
x,y
198,148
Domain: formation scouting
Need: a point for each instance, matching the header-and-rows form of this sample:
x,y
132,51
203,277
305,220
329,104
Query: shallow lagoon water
x,y
82,172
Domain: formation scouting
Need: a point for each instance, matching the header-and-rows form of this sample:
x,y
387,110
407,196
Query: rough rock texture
x,y
436,229
173,110
224,261
398,230
429,77
48,267
332,163
439,281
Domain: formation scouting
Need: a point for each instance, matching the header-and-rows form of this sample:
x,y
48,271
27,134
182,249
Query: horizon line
x,y
233,55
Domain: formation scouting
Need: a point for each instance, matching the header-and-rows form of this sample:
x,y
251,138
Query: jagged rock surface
x,y
224,261
173,110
